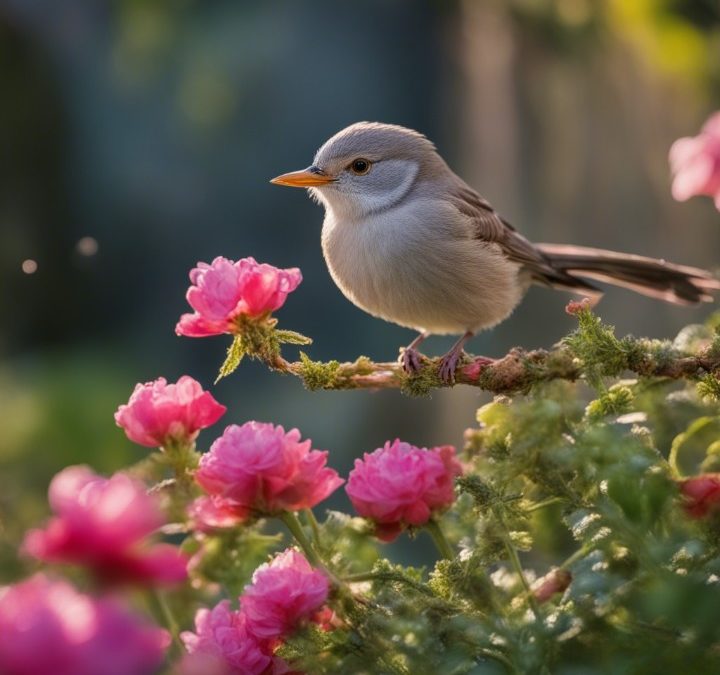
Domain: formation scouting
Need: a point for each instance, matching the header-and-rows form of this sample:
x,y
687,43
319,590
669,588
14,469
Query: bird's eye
x,y
360,166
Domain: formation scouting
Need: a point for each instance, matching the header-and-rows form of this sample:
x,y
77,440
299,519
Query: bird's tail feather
x,y
678,284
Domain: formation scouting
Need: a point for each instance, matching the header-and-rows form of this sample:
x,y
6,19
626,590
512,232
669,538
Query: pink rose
x,y
48,628
215,513
104,523
400,485
159,413
701,493
226,290
696,163
223,644
264,470
283,593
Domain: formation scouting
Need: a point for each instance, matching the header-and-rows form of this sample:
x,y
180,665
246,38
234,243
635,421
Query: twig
x,y
516,372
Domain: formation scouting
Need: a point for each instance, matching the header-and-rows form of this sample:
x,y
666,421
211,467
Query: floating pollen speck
x,y
29,266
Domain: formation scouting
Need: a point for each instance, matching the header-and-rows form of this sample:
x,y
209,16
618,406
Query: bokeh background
x,y
138,137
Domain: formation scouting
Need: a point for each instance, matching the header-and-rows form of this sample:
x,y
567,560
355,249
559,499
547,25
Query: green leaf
x,y
235,353
292,338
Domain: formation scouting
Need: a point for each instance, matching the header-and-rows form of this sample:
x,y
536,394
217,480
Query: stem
x,y
364,576
578,555
542,504
162,609
388,576
516,564
438,537
695,427
314,526
512,373
293,524
181,457
500,658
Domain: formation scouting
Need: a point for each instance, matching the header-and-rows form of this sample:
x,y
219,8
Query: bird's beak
x,y
310,177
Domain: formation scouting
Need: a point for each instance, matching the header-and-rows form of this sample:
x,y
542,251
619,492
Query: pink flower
x,y
400,485
701,493
696,163
283,594
226,290
48,628
159,413
215,513
262,469
224,645
104,523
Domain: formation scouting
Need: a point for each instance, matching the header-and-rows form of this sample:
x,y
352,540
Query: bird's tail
x,y
666,281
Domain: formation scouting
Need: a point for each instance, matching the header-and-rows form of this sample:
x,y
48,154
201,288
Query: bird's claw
x,y
410,360
448,365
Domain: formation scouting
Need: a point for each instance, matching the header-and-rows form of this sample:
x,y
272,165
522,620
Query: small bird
x,y
408,241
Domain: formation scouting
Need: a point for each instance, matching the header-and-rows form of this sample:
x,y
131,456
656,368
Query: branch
x,y
591,352
514,373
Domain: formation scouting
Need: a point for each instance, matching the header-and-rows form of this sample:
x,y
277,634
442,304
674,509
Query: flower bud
x,y
701,494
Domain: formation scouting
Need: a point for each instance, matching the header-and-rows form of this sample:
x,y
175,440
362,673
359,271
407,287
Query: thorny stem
x,y
439,539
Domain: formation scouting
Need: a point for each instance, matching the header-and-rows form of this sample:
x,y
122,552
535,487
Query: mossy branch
x,y
591,352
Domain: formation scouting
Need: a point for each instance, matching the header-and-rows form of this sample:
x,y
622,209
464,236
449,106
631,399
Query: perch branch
x,y
515,372
590,352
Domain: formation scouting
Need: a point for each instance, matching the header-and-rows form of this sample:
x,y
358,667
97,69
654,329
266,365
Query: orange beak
x,y
310,177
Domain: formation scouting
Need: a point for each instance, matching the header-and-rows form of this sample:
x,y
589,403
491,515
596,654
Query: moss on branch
x,y
591,352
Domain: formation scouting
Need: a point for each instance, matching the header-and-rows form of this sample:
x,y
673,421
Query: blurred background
x,y
138,137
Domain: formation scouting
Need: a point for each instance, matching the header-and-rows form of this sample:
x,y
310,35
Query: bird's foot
x,y
410,360
448,365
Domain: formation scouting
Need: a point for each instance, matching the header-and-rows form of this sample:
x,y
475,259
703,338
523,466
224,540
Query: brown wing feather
x,y
491,227
560,266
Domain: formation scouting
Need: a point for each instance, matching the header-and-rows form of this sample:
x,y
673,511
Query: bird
x,y
408,241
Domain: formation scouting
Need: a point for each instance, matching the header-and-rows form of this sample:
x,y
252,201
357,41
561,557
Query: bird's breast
x,y
420,267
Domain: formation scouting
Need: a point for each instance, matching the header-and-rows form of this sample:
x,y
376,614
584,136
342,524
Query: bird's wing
x,y
489,226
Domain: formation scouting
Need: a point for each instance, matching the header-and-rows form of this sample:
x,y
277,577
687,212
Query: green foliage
x,y
709,387
316,374
420,384
229,557
563,477
615,401
258,338
642,591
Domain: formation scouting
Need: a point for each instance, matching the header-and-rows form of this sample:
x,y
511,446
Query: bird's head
x,y
366,168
